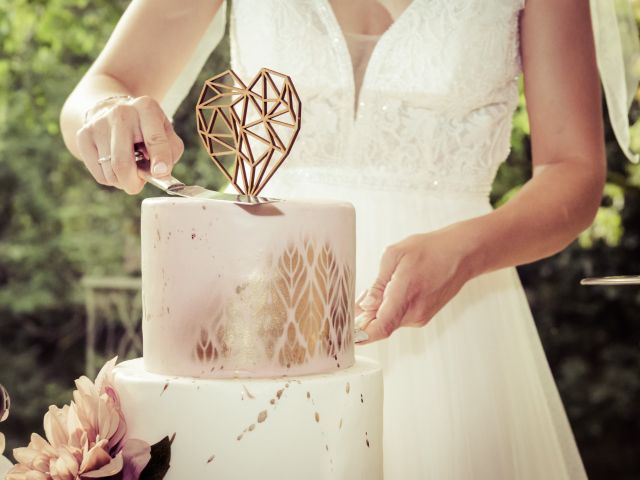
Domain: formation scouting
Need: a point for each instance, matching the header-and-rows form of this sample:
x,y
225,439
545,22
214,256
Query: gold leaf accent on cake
x,y
327,279
308,315
350,285
292,353
209,347
309,249
293,273
291,284
341,308
204,349
297,308
311,318
273,317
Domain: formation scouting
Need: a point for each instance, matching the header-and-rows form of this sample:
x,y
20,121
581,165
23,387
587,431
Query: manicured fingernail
x,y
369,301
360,336
160,168
362,320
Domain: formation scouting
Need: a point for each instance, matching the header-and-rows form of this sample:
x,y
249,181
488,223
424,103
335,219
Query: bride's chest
x,y
435,48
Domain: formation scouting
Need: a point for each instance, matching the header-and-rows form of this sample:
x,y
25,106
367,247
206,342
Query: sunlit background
x,y
69,249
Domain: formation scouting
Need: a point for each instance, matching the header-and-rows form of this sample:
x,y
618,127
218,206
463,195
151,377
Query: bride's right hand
x,y
106,142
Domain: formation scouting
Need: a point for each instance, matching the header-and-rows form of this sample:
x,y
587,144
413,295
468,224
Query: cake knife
x,y
615,280
173,186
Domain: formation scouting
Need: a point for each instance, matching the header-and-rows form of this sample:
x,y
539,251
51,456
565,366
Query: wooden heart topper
x,y
255,125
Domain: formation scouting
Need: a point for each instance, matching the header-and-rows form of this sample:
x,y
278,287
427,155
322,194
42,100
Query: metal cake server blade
x,y
615,280
173,186
360,336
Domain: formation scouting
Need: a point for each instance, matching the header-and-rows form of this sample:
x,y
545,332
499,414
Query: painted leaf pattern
x,y
304,311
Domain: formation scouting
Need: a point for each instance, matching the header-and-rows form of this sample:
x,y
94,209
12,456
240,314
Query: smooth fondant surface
x,y
231,291
314,427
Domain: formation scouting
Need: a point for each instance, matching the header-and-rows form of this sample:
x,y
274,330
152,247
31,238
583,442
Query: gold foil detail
x,y
299,310
249,395
209,347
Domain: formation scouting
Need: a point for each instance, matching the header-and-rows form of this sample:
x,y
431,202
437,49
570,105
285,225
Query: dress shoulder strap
x,y
209,41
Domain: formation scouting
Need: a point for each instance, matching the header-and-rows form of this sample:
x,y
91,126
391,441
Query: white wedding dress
x,y
470,395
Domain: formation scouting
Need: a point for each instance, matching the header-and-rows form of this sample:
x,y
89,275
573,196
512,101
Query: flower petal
x,y
95,458
17,472
55,425
112,394
111,468
25,455
70,461
108,419
22,472
64,467
41,463
86,407
33,475
105,375
39,443
119,433
136,454
86,387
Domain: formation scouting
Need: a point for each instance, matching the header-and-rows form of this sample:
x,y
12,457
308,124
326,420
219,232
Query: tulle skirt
x,y
470,395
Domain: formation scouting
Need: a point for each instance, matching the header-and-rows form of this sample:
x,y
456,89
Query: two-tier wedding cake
x,y
248,343
248,315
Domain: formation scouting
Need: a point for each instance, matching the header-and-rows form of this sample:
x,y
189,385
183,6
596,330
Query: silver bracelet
x,y
103,104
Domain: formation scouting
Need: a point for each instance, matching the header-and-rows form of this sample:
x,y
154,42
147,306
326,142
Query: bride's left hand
x,y
417,277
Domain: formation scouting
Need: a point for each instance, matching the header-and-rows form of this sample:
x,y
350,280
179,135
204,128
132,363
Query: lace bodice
x,y
436,102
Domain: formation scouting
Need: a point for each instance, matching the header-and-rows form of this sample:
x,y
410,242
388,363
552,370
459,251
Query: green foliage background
x,y
57,224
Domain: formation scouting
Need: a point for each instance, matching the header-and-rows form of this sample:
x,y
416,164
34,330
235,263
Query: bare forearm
x,y
144,55
564,107
549,212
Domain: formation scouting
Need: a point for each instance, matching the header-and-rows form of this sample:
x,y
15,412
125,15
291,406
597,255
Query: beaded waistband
x,y
378,180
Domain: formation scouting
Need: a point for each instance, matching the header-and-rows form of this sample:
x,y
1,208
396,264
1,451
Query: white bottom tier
x,y
315,427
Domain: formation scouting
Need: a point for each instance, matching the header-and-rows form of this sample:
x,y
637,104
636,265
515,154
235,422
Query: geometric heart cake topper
x,y
255,124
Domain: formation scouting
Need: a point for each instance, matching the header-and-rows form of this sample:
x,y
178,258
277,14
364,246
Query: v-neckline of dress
x,y
342,48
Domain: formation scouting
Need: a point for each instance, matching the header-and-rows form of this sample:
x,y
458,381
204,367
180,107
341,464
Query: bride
x,y
407,115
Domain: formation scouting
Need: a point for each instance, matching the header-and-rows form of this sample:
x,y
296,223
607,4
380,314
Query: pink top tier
x,y
260,291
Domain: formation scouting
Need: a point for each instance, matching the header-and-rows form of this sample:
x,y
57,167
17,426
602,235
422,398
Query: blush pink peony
x,y
83,439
